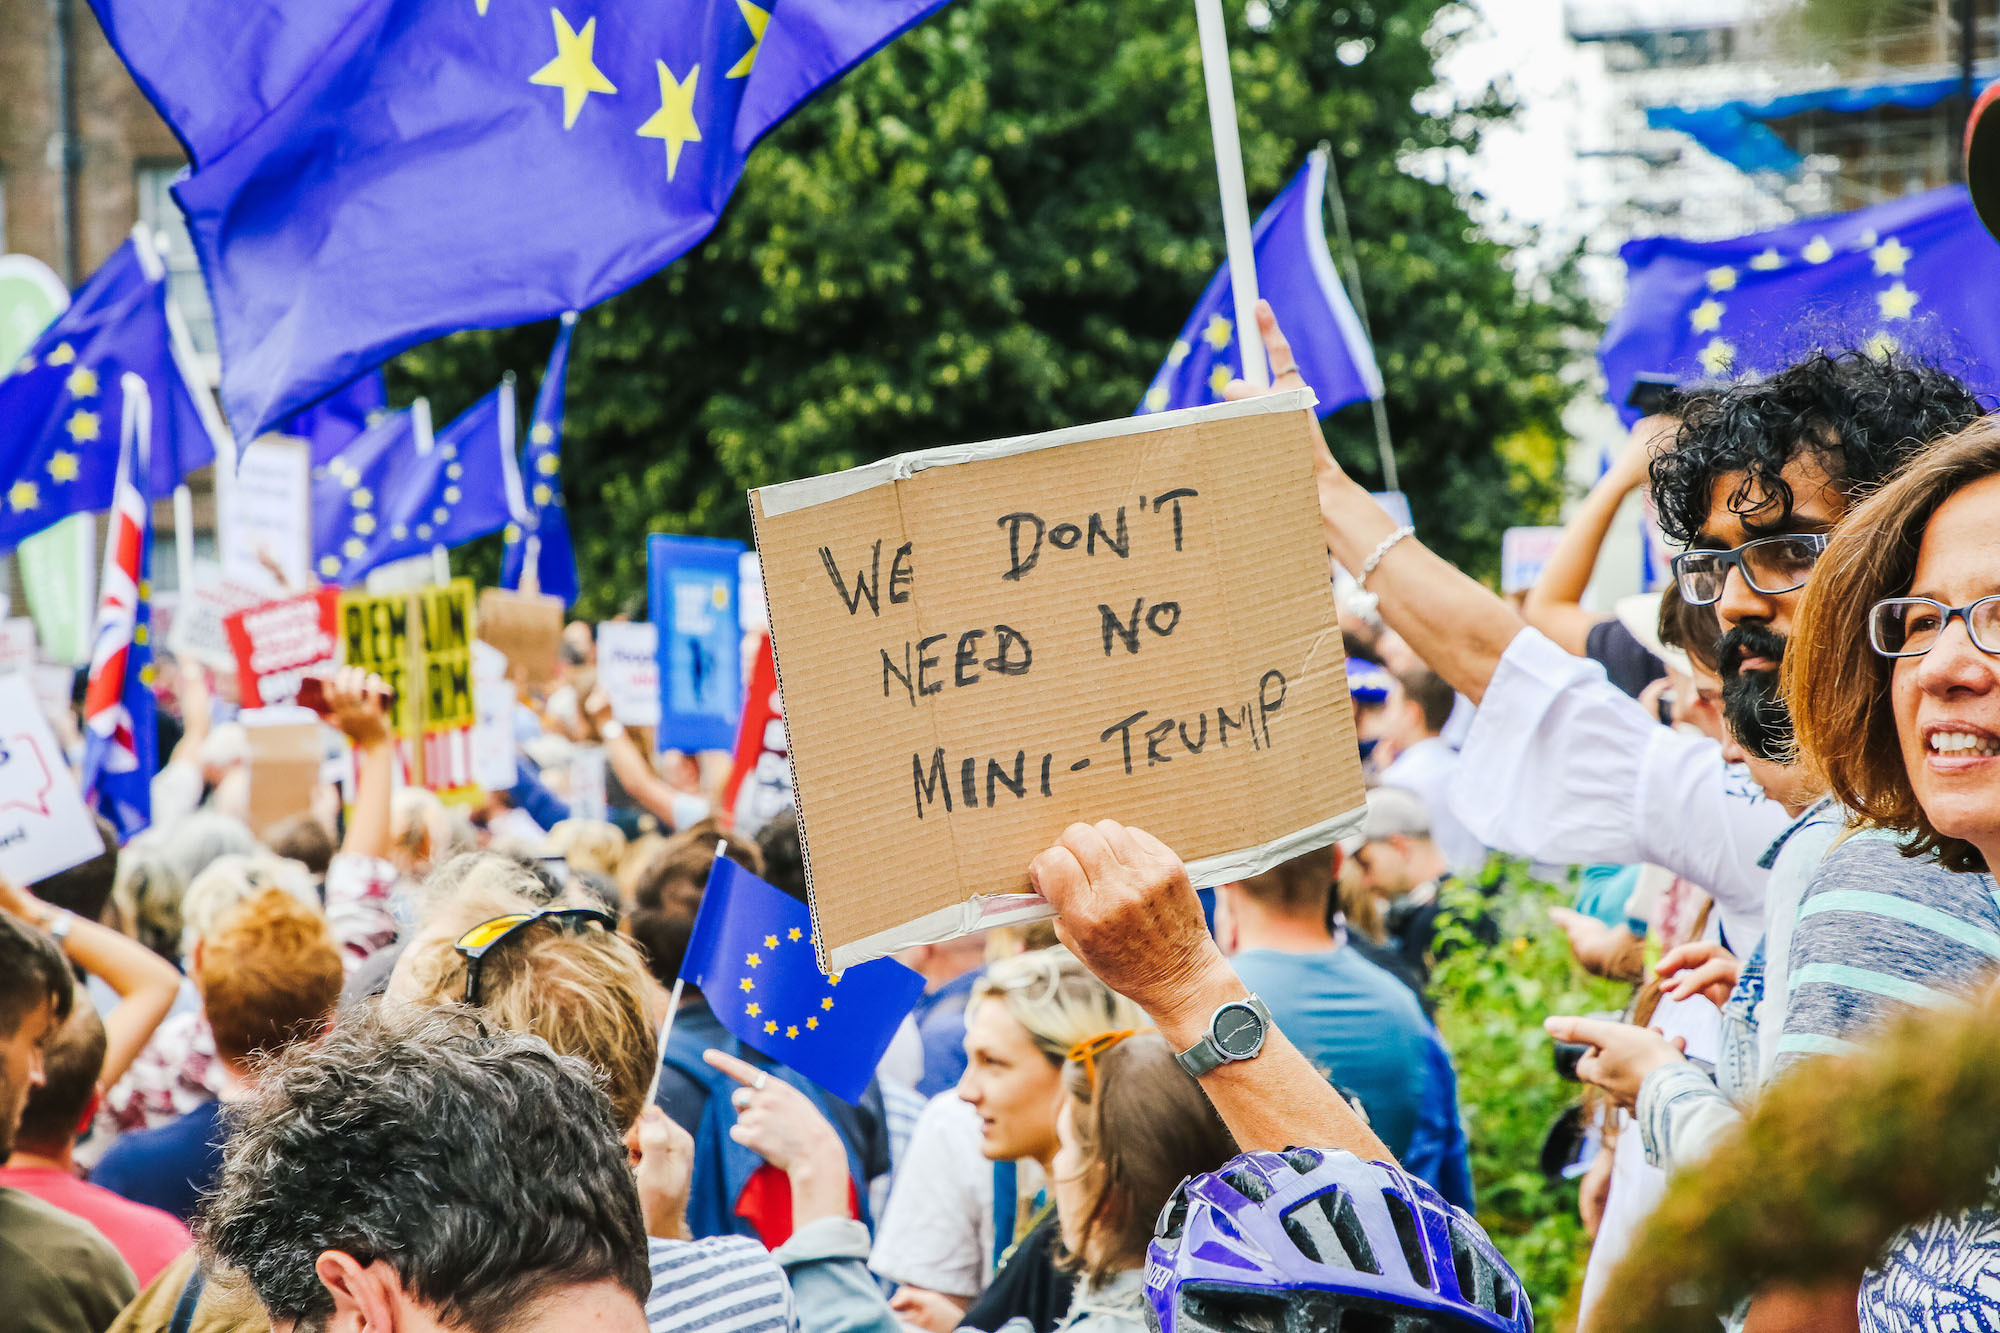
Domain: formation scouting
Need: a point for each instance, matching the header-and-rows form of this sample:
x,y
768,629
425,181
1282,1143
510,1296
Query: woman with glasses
x,y
1894,682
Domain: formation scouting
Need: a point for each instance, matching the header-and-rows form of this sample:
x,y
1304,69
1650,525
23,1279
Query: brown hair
x,y
1143,1129
303,838
1692,629
1836,683
1298,887
585,993
1432,695
270,975
666,895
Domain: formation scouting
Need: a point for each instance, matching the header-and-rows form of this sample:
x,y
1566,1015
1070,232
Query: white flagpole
x,y
1229,176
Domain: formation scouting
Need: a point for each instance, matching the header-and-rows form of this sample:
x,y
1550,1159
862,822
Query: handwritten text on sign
x,y
975,652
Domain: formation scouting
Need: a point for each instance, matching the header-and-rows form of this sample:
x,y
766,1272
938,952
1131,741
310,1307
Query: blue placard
x,y
693,587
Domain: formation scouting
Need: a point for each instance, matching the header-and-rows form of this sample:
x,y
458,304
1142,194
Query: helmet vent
x,y
1328,1231
1478,1281
1408,1237
1249,1184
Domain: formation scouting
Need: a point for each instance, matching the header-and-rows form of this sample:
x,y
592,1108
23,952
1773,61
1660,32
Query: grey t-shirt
x,y
58,1274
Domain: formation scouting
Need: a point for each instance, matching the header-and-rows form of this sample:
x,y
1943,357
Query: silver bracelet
x,y
1364,602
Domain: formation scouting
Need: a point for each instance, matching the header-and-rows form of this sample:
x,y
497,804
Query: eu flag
x,y
752,957
541,538
120,723
1295,274
1917,273
370,174
63,413
396,492
337,420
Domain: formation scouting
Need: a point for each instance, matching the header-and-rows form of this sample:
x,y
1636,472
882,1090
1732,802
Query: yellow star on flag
x,y
1156,398
354,548
755,19
448,451
1896,302
454,470
140,635
62,466
147,675
1890,256
1817,251
770,941
674,121
82,383
1881,345
440,515
793,934
791,1031
753,1009
546,464
62,355
82,425
770,1029
1707,317
512,533
827,1003
1767,261
542,493
1721,279
746,985
1218,379
362,498
482,6
23,495
1179,353
364,523
1216,335
329,565
541,434
812,1022
451,495
399,531
1718,356
752,960
572,69
833,980
27,364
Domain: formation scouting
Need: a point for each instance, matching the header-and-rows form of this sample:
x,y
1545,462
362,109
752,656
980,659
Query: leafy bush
x,y
1491,1000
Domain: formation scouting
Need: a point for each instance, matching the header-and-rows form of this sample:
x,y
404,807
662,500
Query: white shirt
x,y
1561,765
1426,768
937,1232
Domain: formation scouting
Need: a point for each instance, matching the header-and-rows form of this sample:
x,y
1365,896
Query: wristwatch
x,y
56,925
612,730
1236,1032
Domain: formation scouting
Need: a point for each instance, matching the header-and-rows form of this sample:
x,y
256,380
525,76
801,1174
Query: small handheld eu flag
x,y
752,956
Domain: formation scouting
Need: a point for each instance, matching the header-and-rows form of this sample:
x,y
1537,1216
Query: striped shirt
x,y
723,1284
1877,933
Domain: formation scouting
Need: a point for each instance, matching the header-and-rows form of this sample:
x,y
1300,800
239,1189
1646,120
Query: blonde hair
x,y
1056,999
587,844
230,881
586,993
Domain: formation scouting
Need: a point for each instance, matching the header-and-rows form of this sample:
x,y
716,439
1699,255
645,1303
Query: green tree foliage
x,y
996,226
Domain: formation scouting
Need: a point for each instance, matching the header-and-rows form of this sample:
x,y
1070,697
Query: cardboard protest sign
x,y
278,643
1523,552
287,750
692,587
760,781
979,645
44,824
420,643
628,671
263,516
527,627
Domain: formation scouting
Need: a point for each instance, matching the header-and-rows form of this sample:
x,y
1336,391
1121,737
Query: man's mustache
x,y
1749,641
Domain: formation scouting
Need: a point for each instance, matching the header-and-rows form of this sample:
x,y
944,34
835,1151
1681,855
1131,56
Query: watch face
x,y
1238,1031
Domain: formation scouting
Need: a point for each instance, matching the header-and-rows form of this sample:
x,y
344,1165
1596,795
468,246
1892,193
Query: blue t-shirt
x,y
170,1166
1358,1025
940,1019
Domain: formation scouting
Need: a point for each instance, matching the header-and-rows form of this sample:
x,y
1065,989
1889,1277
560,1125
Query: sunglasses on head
x,y
1086,1051
482,939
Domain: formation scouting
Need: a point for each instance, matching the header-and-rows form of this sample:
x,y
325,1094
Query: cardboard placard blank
x,y
980,645
285,760
527,627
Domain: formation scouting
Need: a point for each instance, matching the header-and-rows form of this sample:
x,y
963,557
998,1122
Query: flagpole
x,y
1229,177
1347,254
673,1007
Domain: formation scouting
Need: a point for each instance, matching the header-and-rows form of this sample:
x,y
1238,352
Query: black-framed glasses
x,y
1911,626
1771,565
483,938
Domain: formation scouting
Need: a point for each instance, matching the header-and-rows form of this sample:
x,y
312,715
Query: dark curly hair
x,y
482,1166
1862,415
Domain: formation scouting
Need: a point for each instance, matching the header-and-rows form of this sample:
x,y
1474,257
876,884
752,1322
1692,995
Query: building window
x,y
185,288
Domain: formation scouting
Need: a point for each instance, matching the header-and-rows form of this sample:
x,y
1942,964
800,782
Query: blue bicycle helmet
x,y
1318,1241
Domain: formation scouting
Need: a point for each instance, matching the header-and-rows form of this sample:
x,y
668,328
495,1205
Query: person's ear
x,y
367,1298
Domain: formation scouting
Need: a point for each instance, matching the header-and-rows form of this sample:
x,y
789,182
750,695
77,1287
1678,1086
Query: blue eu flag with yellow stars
x,y
1295,274
396,492
752,957
541,538
1916,274
370,174
61,409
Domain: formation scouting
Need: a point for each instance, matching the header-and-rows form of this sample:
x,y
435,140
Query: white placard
x,y
588,796
1523,553
44,825
493,765
628,669
17,644
265,511
751,613
197,629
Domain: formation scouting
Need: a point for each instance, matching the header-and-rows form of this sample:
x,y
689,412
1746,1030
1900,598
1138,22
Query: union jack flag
x,y
121,742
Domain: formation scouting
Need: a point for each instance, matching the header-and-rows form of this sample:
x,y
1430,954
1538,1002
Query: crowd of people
x,y
395,1065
